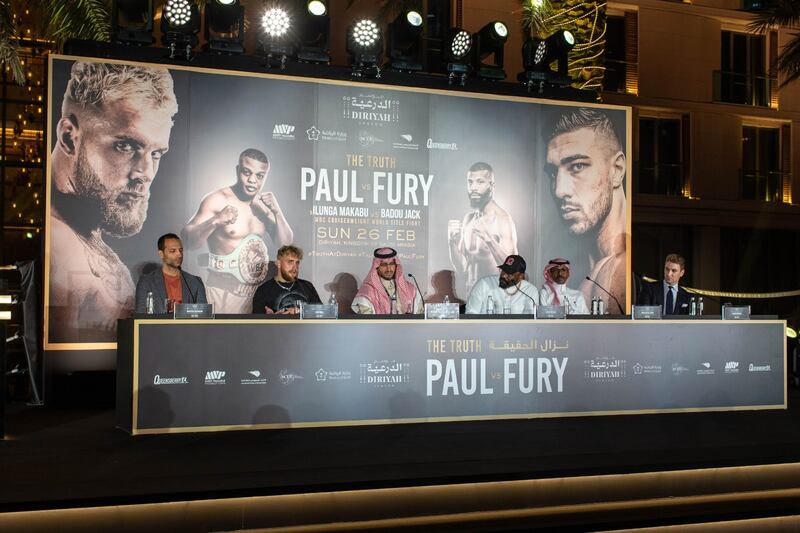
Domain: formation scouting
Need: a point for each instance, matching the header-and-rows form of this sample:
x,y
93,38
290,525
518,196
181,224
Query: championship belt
x,y
247,263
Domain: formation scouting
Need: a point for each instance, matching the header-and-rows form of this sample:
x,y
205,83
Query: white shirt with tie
x,y
667,287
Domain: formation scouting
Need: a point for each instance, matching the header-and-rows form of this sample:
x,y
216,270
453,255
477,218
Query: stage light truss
x,y
180,24
365,49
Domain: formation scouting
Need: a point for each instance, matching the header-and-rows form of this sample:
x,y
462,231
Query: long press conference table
x,y
249,372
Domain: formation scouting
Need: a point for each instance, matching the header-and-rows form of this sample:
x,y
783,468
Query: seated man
x,y
169,284
385,290
283,293
555,290
507,293
673,299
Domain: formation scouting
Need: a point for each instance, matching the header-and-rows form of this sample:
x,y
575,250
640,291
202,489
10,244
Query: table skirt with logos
x,y
262,373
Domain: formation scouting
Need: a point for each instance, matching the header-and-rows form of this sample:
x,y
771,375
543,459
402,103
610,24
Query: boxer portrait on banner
x,y
114,128
486,235
233,222
587,166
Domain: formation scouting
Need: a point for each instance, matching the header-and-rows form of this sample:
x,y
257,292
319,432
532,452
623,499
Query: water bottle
x,y
490,305
148,304
332,299
447,299
601,306
693,306
700,306
595,306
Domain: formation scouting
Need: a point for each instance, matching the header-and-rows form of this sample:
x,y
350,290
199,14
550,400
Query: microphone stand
x,y
621,310
529,298
183,277
421,296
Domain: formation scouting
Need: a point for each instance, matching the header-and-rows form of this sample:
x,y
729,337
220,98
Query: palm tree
x,y
62,20
782,13
586,19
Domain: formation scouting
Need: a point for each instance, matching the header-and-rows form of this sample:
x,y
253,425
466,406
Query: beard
x,y
504,283
120,215
480,201
288,276
590,217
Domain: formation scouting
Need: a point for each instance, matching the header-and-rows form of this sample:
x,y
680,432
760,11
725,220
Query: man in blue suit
x,y
673,299
169,284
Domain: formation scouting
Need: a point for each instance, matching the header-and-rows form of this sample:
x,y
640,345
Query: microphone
x,y
193,295
621,310
529,297
421,296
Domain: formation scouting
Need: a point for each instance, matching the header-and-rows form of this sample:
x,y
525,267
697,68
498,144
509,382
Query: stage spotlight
x,y
132,21
459,48
538,56
224,27
317,7
313,33
365,48
405,42
180,24
490,41
276,23
791,332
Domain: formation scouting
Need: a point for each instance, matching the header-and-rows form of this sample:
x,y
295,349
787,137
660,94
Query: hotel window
x,y
743,76
621,54
762,177
661,169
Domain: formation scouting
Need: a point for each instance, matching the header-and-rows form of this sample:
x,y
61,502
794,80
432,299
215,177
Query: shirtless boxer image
x,y
234,221
114,128
486,235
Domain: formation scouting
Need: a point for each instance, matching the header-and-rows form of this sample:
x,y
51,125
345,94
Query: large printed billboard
x,y
241,164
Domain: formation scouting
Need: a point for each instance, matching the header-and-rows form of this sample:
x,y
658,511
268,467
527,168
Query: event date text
x,y
366,234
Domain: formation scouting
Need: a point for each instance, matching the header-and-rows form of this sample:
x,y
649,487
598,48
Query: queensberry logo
x,y
759,368
437,145
158,380
215,377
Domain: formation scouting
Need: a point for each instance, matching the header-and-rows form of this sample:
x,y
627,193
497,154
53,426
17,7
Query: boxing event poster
x,y
352,167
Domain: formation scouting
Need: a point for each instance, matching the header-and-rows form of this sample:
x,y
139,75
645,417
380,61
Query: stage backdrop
x,y
352,167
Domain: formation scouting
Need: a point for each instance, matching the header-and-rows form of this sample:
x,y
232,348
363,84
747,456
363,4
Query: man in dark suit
x,y
169,284
673,299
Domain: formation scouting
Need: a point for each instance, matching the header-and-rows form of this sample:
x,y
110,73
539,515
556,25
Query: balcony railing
x,y
745,89
762,185
665,179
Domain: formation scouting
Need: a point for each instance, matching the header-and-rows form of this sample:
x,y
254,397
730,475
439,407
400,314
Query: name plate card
x,y
551,311
194,311
737,312
646,312
441,311
329,311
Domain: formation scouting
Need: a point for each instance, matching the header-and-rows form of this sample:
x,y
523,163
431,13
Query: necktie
x,y
670,301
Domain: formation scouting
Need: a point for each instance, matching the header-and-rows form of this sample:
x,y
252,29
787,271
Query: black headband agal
x,y
388,253
558,263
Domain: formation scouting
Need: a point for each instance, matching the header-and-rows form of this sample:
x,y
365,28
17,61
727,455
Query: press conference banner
x,y
239,164
234,374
